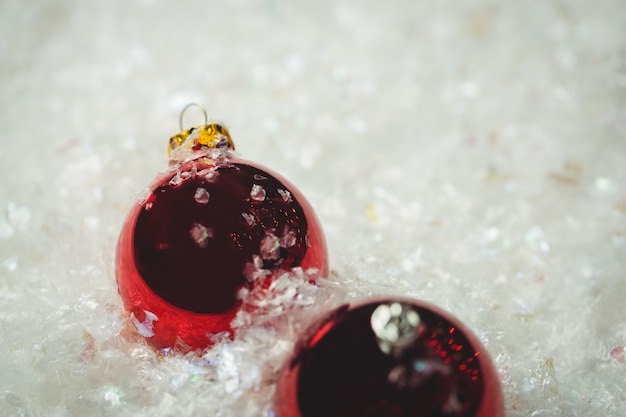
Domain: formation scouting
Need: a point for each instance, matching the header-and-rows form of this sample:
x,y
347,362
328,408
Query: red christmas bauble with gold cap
x,y
210,225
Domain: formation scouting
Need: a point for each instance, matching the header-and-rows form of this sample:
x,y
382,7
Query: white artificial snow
x,y
471,154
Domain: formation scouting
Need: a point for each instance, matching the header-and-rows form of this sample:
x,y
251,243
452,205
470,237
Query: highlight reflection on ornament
x,y
389,357
210,225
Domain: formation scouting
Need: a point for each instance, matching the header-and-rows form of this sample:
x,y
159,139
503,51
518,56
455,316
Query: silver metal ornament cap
x,y
396,326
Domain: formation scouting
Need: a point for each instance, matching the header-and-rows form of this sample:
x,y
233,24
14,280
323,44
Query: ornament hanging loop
x,y
182,113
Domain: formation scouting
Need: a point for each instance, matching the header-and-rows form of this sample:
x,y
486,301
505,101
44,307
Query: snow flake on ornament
x,y
288,240
270,247
249,218
220,158
146,199
201,234
187,175
209,174
286,195
201,196
183,176
254,271
143,196
146,327
257,193
176,180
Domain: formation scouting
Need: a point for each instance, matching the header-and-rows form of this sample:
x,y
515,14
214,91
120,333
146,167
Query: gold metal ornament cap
x,y
207,136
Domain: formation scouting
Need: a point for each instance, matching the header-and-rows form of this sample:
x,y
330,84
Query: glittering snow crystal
x,y
201,196
257,193
201,234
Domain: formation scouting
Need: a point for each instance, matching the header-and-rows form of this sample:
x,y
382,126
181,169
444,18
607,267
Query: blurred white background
x,y
471,154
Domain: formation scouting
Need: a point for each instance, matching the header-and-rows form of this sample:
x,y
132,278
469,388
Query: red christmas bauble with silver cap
x,y
210,225
391,357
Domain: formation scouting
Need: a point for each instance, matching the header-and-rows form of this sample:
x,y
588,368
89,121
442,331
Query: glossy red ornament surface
x,y
206,229
338,369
